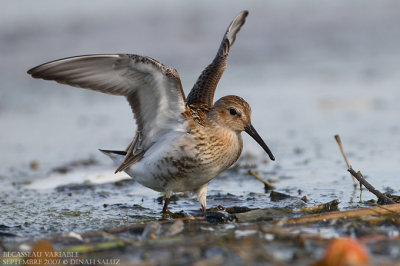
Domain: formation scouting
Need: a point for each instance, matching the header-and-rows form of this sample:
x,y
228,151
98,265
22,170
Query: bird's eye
x,y
232,111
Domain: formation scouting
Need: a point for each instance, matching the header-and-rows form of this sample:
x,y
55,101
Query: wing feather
x,y
202,93
153,90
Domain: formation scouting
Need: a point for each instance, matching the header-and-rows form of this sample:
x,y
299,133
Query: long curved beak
x,y
249,129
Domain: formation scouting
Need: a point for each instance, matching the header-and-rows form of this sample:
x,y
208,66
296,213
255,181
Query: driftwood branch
x,y
376,210
381,197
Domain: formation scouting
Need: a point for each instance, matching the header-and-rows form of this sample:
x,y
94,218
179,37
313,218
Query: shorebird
x,y
180,144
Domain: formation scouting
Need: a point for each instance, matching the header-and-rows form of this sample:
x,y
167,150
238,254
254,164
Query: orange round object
x,y
344,252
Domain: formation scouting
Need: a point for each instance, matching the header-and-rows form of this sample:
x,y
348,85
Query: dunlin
x,y
180,144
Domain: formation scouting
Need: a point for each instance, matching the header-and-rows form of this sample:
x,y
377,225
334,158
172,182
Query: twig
x,y
376,210
267,185
339,142
382,198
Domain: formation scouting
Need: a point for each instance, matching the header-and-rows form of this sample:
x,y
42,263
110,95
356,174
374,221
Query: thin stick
x,y
267,185
372,189
339,142
361,179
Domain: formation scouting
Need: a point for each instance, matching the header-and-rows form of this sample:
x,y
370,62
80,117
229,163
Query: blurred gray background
x,y
309,69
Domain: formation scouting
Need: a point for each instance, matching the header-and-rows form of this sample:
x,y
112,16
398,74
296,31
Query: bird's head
x,y
234,113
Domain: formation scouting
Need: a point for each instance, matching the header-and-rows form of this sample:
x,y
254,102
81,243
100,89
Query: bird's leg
x,y
165,208
202,197
168,195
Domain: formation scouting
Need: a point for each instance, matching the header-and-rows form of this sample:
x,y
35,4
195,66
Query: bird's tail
x,y
116,156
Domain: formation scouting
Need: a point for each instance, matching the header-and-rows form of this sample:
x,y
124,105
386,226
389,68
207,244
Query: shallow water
x,y
307,78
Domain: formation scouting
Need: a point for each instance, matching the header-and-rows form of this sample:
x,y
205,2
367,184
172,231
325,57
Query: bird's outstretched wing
x,y
154,91
202,93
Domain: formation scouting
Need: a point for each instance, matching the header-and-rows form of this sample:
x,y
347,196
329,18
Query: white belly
x,y
171,165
